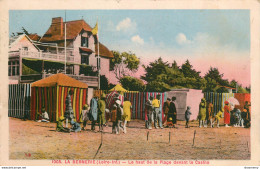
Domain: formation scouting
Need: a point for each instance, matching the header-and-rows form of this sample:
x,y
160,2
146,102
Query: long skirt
x,y
226,118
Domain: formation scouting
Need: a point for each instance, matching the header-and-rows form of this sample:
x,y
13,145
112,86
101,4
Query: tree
x,y
213,73
233,83
187,70
175,65
248,89
123,64
156,86
132,83
211,85
156,71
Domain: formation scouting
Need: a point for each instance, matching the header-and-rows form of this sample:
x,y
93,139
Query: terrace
x,y
91,80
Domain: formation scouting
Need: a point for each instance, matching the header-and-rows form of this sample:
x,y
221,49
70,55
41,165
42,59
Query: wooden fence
x,y
19,100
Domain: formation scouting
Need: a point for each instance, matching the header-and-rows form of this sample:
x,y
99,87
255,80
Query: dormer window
x,y
84,41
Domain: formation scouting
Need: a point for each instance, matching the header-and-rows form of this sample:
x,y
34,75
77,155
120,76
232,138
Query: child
x,y
169,122
60,127
44,116
218,117
75,126
187,116
84,116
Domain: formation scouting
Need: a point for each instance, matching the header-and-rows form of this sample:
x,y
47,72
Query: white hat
x,y
118,102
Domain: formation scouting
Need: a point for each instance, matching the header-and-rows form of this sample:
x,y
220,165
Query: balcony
x,y
91,81
59,57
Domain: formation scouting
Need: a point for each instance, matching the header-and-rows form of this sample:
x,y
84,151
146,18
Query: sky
x,y
208,38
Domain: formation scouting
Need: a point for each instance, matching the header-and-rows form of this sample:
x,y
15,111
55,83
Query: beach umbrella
x,y
110,98
233,101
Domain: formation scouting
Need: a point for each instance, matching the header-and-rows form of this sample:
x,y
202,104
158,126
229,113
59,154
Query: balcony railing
x,y
60,57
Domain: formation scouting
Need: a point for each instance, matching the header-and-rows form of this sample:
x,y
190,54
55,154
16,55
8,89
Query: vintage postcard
x,y
161,83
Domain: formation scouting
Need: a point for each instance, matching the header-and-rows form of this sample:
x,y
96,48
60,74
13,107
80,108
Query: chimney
x,y
57,26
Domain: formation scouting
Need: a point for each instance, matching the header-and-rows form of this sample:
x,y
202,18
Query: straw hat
x,y
85,106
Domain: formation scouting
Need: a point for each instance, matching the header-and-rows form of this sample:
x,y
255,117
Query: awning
x,y
87,50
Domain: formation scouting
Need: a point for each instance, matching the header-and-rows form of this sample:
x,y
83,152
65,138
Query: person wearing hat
x,y
149,113
101,111
218,117
75,127
84,116
187,116
246,118
172,114
226,114
117,113
69,114
93,111
166,108
59,126
157,114
202,113
209,113
127,112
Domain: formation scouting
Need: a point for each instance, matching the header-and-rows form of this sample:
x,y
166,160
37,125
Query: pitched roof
x,y
103,51
60,80
16,39
34,37
73,28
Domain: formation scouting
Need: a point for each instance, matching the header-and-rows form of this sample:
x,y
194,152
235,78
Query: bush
x,y
132,84
156,86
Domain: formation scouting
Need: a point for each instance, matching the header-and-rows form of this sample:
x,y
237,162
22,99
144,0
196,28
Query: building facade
x,y
32,58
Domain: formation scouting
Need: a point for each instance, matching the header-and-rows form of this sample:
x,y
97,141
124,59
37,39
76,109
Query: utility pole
x,y
65,43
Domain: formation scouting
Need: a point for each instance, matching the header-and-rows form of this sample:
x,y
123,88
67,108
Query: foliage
x,y
156,86
222,90
132,83
248,89
187,70
214,73
124,63
161,71
242,90
87,70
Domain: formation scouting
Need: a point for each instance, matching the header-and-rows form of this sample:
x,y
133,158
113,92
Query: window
x,y
25,48
98,63
70,69
13,68
85,59
84,41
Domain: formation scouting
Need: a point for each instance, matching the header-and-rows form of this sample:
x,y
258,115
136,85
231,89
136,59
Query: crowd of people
x,y
232,115
119,113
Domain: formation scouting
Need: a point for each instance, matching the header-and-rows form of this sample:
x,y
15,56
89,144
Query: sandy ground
x,y
33,140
